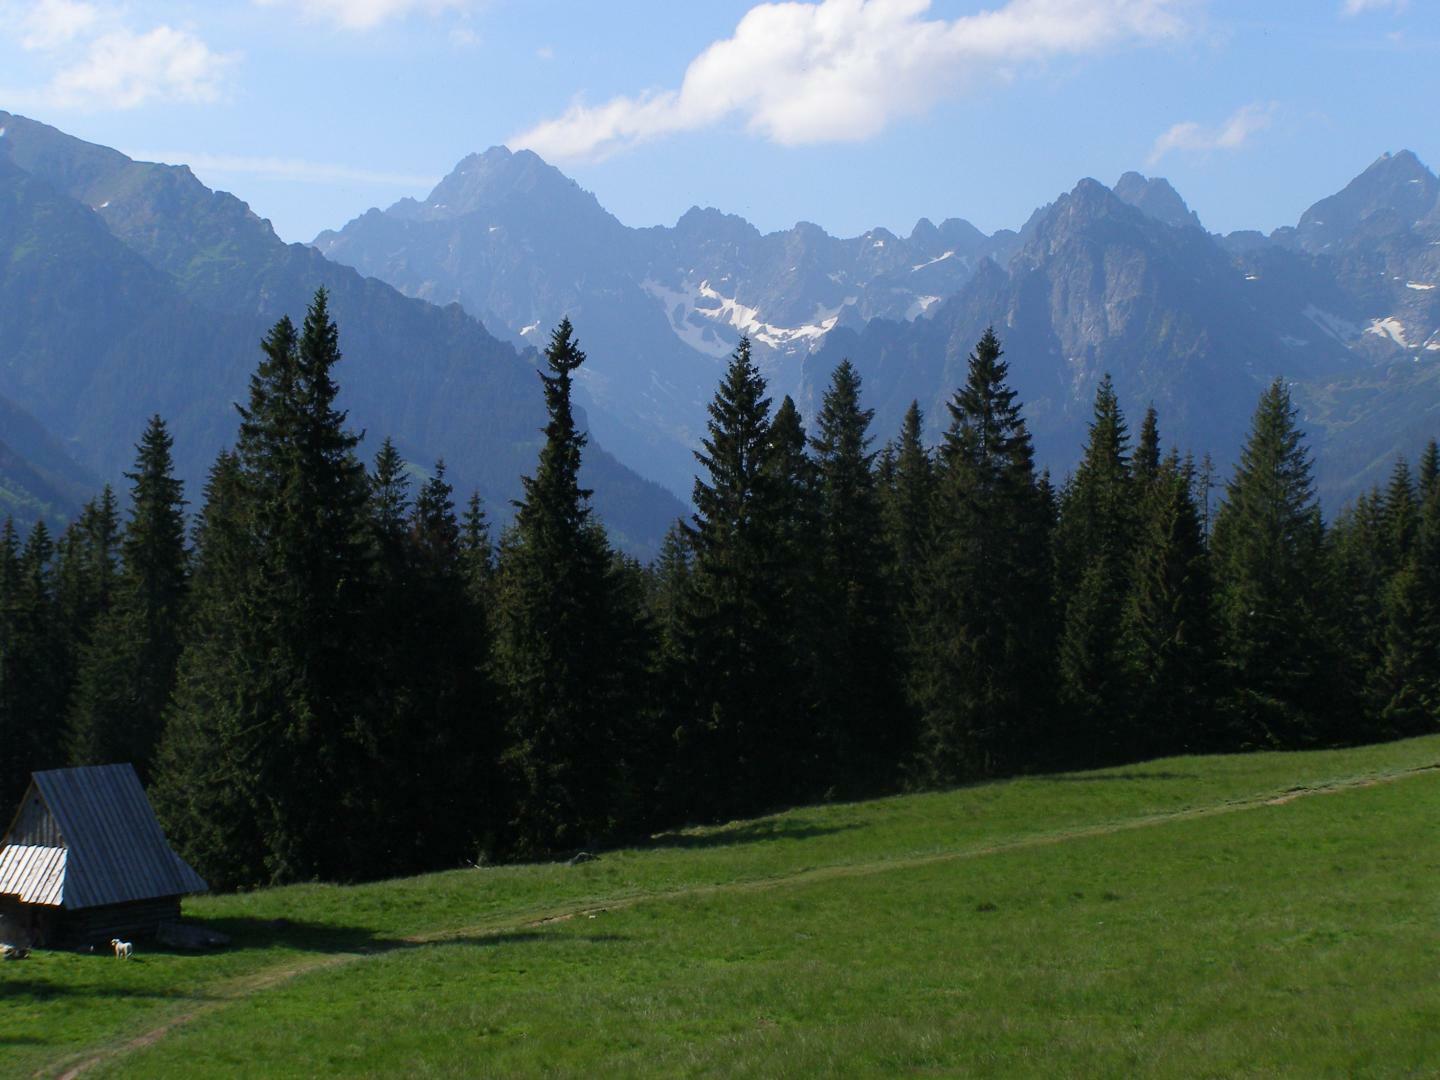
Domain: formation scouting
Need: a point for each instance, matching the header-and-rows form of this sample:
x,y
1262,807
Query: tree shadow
x,y
248,933
46,990
750,832
1086,778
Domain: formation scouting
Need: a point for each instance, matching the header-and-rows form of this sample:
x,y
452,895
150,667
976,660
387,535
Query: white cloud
x,y
1358,7
1234,133
100,62
366,14
122,69
842,70
52,23
275,168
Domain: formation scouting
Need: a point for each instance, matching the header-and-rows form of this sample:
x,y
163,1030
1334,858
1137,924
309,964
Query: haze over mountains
x,y
131,288
1124,280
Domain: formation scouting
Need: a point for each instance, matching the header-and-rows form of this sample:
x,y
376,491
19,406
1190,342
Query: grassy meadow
x,y
1250,915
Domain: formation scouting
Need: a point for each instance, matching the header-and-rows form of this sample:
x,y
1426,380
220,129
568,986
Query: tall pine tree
x,y
1093,545
287,700
734,706
564,636
856,674
1272,597
128,668
981,634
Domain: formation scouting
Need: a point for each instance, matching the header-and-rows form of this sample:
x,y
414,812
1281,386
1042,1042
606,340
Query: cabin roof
x,y
112,848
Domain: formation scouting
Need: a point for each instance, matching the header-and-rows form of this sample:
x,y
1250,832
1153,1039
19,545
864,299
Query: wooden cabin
x,y
84,861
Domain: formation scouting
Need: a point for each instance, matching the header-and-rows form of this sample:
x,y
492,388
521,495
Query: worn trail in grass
x,y
822,850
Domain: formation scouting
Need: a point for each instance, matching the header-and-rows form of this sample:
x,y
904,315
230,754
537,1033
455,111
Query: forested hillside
x,y
339,641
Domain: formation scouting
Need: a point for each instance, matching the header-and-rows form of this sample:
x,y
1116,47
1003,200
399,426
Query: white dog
x,y
122,948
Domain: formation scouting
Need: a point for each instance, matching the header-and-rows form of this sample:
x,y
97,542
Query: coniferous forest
x,y
330,669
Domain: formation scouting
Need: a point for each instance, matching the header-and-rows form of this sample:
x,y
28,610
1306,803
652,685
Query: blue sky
x,y
848,113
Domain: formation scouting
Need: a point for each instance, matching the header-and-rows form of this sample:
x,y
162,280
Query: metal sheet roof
x,y
34,874
116,851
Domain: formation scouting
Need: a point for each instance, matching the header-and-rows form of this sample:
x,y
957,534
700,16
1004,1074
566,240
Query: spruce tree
x,y
26,680
1166,630
294,731
856,675
1093,546
477,552
1145,462
1279,647
733,708
1403,689
795,767
981,633
562,631
127,671
199,790
454,735
907,499
1429,471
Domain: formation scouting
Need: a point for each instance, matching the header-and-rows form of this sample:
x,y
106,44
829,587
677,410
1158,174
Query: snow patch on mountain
x,y
1390,327
694,310
920,306
931,262
1342,330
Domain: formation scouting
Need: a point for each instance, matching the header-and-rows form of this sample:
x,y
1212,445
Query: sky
x,y
848,113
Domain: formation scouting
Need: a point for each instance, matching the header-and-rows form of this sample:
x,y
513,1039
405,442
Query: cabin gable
x,y
34,824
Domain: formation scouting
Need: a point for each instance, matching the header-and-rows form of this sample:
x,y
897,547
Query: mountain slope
x,y
1126,282
137,289
1100,286
38,479
519,245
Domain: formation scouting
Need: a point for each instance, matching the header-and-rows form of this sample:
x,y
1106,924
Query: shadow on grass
x,y
251,933
1083,778
46,990
750,832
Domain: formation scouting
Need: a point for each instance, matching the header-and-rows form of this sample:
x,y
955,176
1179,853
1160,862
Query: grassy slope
x,y
1160,919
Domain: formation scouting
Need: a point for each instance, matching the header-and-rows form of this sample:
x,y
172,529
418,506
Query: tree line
x,y
332,672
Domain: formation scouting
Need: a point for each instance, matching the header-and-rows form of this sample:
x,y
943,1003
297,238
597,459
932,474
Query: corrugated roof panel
x,y
34,874
117,851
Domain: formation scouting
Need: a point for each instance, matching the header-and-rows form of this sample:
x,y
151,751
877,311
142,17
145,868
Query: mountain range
x,y
1124,280
129,288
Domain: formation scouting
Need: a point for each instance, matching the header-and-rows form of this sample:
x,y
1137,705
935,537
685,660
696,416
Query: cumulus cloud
x,y
843,70
366,14
123,69
52,23
100,62
277,168
1235,132
1358,7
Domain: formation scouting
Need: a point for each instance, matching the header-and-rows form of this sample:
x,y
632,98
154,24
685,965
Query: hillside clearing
x,y
1118,921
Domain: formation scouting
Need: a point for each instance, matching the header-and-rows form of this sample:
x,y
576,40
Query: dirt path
x,y
258,982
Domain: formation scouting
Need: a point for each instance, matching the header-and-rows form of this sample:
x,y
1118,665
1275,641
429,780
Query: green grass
x,y
1163,919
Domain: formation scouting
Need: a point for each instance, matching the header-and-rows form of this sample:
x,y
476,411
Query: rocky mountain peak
x,y
498,177
1396,191
1155,197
